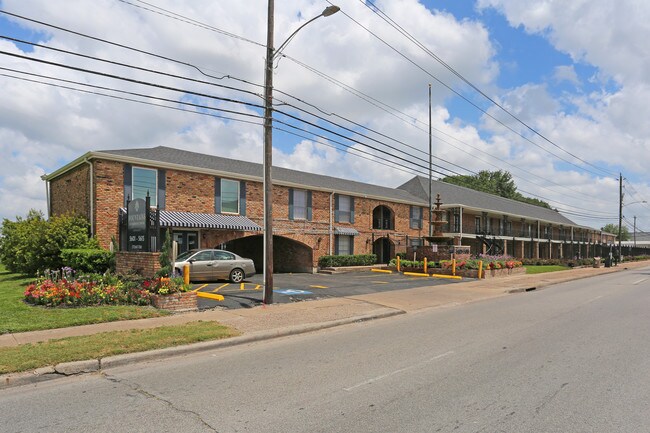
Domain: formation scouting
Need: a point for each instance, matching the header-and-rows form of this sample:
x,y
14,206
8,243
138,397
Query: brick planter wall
x,y
176,301
145,264
498,273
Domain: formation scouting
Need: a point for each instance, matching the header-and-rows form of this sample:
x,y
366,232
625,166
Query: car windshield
x,y
184,256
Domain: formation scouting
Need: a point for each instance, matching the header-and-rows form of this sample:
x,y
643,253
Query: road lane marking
x,y
639,282
401,370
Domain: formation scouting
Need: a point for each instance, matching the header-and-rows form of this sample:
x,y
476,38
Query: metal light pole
x,y
430,163
268,143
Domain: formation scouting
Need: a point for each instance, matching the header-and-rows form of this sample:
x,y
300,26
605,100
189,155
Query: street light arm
x,y
330,10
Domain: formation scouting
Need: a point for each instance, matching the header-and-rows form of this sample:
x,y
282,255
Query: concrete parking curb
x,y
43,374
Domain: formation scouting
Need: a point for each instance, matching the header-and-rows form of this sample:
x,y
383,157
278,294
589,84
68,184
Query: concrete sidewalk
x,y
265,322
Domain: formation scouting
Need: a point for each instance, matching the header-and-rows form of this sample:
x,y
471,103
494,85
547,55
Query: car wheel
x,y
236,275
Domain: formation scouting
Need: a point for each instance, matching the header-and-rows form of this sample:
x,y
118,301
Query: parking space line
x,y
220,287
199,288
212,296
318,287
241,286
379,282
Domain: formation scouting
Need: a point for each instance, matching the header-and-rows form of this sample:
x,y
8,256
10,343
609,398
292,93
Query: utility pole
x,y
635,231
268,160
620,214
430,164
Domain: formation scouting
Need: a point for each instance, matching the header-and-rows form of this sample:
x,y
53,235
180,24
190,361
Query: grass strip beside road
x,y
547,268
31,356
17,316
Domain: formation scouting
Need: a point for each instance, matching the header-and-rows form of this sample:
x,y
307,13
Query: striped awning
x,y
345,231
207,221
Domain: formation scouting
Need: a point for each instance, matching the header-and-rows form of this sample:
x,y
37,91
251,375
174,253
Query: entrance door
x,y
186,241
383,249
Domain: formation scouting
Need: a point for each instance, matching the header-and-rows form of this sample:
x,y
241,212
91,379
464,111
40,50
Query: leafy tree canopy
x,y
613,229
494,182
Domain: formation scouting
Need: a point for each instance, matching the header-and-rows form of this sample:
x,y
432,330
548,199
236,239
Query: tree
x,y
494,182
613,229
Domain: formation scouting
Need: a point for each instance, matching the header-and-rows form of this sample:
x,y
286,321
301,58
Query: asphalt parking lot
x,y
302,287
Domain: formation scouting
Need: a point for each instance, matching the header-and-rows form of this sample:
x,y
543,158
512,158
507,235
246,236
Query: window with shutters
x,y
229,196
416,217
299,204
144,181
344,209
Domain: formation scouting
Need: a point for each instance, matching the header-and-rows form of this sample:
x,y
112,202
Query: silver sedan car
x,y
211,265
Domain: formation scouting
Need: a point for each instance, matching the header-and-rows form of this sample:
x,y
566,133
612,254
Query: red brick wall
x,y
109,197
187,191
70,192
145,264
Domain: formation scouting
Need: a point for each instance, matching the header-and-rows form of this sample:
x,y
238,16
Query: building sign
x,y
137,215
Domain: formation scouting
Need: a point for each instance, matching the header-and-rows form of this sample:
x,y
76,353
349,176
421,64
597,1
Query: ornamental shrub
x,y
89,260
34,243
347,260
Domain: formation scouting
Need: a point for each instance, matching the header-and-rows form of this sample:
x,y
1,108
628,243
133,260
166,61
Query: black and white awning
x,y
345,231
207,221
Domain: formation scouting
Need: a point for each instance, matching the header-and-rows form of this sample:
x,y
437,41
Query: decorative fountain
x,y
440,246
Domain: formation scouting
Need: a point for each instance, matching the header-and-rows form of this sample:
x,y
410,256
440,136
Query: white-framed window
x,y
344,244
229,196
143,181
344,208
299,204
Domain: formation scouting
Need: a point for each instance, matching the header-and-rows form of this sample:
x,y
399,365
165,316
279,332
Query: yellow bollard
x,y
186,274
425,265
398,266
480,269
453,267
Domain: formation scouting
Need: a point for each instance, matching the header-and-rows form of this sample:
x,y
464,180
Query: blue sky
x,y
556,66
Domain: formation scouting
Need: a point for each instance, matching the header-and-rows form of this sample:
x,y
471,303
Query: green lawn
x,y
30,356
17,316
542,269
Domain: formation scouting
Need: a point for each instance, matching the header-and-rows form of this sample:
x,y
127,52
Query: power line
x,y
398,52
370,5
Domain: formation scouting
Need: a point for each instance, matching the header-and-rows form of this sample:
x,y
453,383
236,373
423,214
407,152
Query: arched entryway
x,y
384,249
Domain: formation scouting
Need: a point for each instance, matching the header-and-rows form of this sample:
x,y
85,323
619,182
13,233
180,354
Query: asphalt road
x,y
570,358
303,287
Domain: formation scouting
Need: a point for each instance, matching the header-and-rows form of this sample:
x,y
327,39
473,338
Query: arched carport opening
x,y
288,255
384,249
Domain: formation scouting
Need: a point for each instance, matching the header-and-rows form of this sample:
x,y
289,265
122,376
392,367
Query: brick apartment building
x,y
207,201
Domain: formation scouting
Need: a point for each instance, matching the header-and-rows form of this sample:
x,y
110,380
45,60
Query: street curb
x,y
43,374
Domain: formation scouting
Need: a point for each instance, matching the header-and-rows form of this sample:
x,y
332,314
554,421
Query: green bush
x,y
88,260
34,244
347,260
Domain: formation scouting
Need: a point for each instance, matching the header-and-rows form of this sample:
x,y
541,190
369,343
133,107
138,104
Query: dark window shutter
x,y
127,183
162,185
351,210
242,198
308,205
290,203
217,195
351,244
336,245
421,218
336,208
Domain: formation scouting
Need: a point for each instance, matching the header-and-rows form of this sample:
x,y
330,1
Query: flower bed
x,y
65,289
492,266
